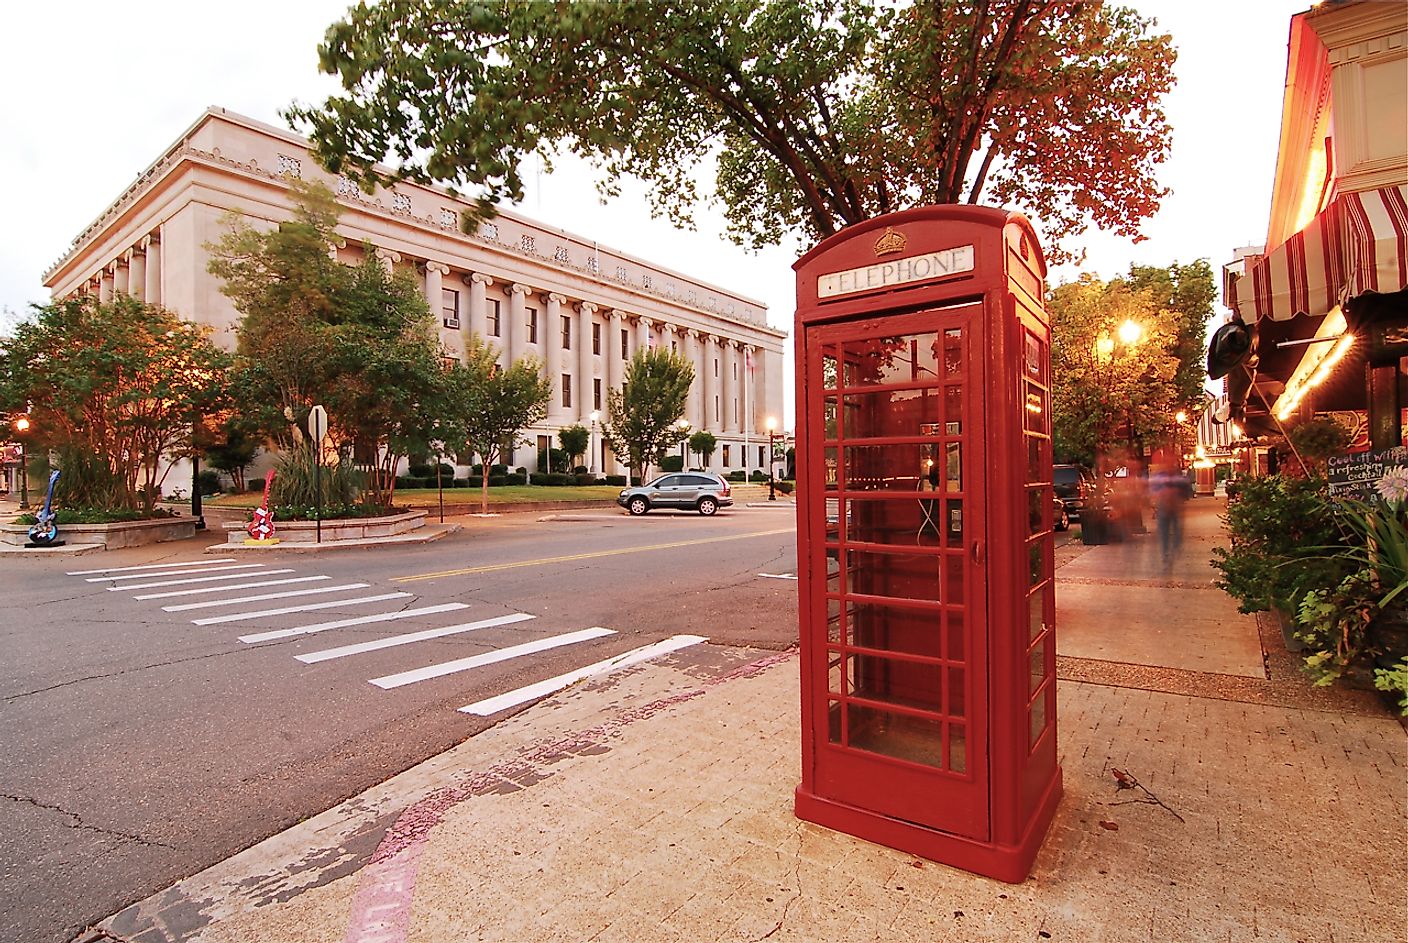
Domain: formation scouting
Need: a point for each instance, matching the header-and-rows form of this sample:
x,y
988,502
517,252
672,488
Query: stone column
x,y
121,283
517,321
694,410
137,273
153,291
451,337
707,351
105,287
478,304
388,258
731,386
642,335
760,393
586,363
551,341
615,365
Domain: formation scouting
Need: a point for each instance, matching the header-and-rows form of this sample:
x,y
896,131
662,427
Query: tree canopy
x,y
112,388
816,114
1115,385
642,418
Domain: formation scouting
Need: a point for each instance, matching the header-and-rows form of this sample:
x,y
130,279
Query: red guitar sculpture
x,y
262,527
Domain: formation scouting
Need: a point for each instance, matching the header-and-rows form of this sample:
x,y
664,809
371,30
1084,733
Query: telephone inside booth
x,y
924,537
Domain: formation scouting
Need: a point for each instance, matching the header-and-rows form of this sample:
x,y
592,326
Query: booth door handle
x,y
978,552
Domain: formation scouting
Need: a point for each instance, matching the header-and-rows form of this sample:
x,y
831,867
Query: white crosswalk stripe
x,y
150,566
345,623
312,658
265,613
262,597
224,568
488,658
492,705
230,587
194,579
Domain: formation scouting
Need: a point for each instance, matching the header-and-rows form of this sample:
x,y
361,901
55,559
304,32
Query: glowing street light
x,y
684,444
1130,332
772,458
21,428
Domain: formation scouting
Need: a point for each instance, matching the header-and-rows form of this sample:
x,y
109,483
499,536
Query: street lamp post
x,y
772,459
684,444
22,431
591,443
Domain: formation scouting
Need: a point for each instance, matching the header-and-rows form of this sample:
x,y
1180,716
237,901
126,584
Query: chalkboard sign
x,y
1355,476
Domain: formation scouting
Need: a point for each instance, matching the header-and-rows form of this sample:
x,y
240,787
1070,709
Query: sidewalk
x,y
656,805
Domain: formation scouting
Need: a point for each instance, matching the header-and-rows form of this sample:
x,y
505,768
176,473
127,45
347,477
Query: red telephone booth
x,y
925,538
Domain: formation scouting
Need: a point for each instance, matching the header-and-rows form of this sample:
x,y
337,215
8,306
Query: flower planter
x,y
110,536
1388,636
349,528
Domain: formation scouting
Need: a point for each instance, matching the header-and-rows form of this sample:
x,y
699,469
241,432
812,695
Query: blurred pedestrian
x,y
1170,490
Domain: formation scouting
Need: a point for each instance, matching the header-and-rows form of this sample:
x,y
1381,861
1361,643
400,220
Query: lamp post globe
x,y
772,459
684,443
21,430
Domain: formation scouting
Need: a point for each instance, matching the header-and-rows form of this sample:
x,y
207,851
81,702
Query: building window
x,y
489,231
693,297
345,186
450,307
596,393
566,333
560,254
735,412
400,204
526,243
716,409
532,325
449,218
716,366
625,343
290,166
494,317
620,273
596,338
761,458
727,449
593,264
567,391
645,281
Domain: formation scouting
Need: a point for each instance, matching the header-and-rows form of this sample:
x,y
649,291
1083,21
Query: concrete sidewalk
x,y
656,805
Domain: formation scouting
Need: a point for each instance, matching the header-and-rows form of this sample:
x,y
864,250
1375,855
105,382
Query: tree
x,y
575,440
114,388
817,114
491,405
233,450
704,444
642,418
1186,293
1109,387
355,339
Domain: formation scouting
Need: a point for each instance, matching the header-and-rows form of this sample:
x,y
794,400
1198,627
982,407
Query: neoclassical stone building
x,y
583,309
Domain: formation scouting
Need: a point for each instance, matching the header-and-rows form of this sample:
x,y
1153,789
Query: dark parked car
x,y
688,491
1071,484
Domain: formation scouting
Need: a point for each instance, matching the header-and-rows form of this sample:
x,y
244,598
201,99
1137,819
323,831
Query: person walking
x,y
1170,490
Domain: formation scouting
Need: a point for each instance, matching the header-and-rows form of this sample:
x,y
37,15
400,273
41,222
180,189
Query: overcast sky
x,y
95,91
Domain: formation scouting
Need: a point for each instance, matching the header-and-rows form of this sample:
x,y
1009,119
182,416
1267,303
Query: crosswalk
x,y
220,587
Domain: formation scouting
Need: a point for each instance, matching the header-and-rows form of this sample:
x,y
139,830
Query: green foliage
x,y
1282,533
1379,543
233,449
309,512
100,515
1394,681
672,463
558,459
817,113
1315,440
113,387
642,416
1333,622
209,482
1182,296
575,440
703,443
487,407
1106,391
784,487
295,476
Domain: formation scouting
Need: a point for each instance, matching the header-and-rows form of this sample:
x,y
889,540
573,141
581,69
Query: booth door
x,y
896,452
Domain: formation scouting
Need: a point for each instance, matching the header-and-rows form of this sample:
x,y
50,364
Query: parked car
x,y
1060,517
687,491
1072,483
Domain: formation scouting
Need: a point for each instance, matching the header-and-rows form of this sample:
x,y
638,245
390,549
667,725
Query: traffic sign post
x,y
318,429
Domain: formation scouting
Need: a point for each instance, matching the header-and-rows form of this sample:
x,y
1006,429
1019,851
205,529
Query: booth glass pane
x,y
953,352
912,684
1035,560
828,370
907,359
957,643
903,468
833,720
953,410
835,623
904,576
1038,469
835,673
958,748
895,629
829,412
1036,512
957,693
953,521
902,736
1035,409
904,522
884,413
953,579
953,474
1035,619
1038,720
1036,661
833,570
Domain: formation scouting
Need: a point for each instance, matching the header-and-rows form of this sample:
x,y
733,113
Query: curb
x,y
432,533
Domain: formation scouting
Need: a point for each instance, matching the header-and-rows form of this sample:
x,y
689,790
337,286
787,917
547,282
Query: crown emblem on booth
x,y
890,242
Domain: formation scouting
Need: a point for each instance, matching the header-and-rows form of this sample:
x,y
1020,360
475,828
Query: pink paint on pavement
x,y
381,909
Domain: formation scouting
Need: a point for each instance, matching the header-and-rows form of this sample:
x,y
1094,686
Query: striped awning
x,y
1358,244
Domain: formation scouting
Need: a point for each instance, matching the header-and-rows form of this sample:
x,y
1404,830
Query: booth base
x,y
1009,863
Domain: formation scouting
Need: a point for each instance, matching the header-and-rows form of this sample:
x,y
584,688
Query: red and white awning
x,y
1358,244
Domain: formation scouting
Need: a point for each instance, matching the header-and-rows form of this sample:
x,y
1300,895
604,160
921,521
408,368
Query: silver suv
x,y
688,491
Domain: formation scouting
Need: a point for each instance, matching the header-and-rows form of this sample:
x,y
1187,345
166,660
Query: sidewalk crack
x,y
796,882
77,822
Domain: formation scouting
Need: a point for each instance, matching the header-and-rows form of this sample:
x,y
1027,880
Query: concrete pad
x,y
424,535
66,550
1191,629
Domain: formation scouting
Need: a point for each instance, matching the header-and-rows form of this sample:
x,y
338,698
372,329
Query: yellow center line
x,y
491,567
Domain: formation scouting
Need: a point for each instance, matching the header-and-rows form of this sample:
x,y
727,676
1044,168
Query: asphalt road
x,y
138,747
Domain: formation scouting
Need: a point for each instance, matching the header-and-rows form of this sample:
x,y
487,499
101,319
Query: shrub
x,y
582,478
303,512
672,463
459,483
420,470
580,470
209,482
784,487
616,480
735,476
759,476
552,480
99,515
341,484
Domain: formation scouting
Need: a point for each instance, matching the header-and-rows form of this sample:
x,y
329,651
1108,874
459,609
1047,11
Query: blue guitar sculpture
x,y
44,530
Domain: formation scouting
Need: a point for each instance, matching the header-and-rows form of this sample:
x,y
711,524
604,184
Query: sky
x,y
95,91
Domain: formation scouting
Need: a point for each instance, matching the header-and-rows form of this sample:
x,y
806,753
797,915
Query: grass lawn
x,y
458,497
